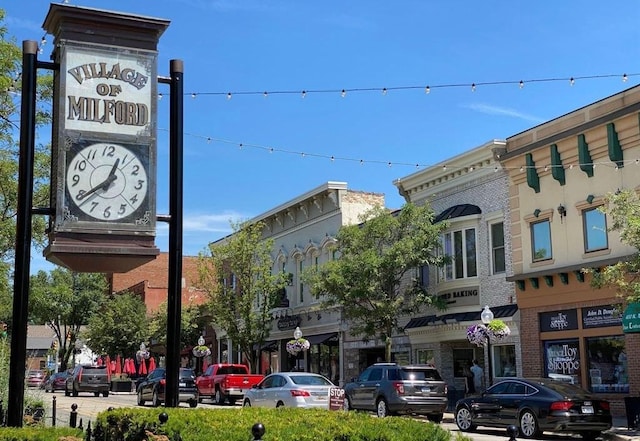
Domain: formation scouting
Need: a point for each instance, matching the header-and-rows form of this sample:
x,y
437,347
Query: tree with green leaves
x,y
193,321
65,301
623,208
237,274
119,327
371,281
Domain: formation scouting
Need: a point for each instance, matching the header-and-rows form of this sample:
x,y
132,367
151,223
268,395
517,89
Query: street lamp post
x,y
486,316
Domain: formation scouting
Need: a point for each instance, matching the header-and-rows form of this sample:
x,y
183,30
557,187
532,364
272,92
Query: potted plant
x,y
33,410
121,383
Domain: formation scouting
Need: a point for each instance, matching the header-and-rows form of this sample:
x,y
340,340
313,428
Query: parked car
x,y
291,389
389,388
152,388
87,378
56,381
535,405
35,377
223,381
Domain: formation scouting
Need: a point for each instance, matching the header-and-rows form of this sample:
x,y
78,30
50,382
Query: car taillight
x,y
399,387
604,405
300,393
562,405
163,382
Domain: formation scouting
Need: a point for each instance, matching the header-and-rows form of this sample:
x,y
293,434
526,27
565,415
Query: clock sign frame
x,y
104,144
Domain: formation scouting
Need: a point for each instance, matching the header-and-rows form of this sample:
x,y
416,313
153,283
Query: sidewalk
x,y
618,432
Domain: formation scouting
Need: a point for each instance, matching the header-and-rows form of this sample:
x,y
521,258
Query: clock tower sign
x,y
103,162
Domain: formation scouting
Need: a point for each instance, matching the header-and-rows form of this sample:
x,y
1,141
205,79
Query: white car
x,y
292,389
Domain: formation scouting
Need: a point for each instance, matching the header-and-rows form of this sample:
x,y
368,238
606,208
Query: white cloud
x,y
503,111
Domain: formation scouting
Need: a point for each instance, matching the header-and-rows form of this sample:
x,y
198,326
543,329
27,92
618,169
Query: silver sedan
x,y
292,389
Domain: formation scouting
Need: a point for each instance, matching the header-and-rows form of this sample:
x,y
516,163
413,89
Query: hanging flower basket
x,y
201,351
296,345
481,334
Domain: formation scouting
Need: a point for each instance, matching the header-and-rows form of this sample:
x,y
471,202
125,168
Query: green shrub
x,y
40,434
284,424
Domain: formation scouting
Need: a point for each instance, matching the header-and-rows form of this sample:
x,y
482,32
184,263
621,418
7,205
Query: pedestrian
x,y
478,376
468,380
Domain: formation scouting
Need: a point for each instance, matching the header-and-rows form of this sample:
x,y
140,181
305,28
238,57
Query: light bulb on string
x,y
389,164
521,84
444,168
270,149
384,91
362,162
208,140
228,96
637,161
521,168
624,78
343,93
332,158
427,90
265,94
240,146
193,96
159,96
572,81
473,87
304,93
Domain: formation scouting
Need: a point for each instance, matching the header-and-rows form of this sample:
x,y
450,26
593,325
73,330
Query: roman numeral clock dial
x,y
107,182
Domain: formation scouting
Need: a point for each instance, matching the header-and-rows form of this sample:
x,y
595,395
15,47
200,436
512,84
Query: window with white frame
x,y
541,240
594,223
497,247
460,246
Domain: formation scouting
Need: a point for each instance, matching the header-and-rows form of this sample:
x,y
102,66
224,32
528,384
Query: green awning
x,y
631,318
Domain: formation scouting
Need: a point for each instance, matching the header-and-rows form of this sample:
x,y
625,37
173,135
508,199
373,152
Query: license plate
x,y
182,384
426,389
587,409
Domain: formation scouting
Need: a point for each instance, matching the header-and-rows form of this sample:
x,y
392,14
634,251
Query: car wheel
x,y
435,417
528,425
246,403
193,403
464,420
67,393
279,404
232,402
590,436
140,399
382,409
105,393
155,399
346,405
74,392
218,398
96,394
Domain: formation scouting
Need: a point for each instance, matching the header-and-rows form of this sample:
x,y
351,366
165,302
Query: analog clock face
x,y
106,181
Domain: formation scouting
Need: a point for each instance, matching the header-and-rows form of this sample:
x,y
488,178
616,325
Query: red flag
x,y
142,369
152,364
118,365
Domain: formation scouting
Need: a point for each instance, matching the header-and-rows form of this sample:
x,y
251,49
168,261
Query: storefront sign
x,y
600,316
562,357
461,297
631,319
558,320
289,322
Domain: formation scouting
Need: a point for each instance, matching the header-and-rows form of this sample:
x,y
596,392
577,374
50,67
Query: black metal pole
x,y
23,234
174,295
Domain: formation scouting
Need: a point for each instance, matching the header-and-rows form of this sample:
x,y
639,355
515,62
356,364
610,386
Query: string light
x,y
427,89
193,95
384,91
445,167
160,96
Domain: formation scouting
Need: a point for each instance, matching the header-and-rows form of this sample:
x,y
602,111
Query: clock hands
x,y
104,185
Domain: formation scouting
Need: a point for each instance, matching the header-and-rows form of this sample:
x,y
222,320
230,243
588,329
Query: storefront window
x,y
562,360
504,361
425,356
607,365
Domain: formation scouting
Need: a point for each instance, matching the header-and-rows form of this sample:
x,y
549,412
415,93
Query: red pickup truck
x,y
223,382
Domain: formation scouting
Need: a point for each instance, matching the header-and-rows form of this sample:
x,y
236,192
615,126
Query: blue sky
x,y
279,45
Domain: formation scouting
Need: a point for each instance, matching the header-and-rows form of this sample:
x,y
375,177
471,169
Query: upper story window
x,y
497,248
541,240
461,247
594,223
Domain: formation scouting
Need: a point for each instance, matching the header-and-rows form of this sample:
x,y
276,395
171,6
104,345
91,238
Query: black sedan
x,y
535,405
152,388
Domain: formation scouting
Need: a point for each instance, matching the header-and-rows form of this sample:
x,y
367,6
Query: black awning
x,y
268,346
474,316
457,211
321,338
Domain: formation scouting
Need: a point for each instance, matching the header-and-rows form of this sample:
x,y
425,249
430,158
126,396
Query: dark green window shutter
x,y
532,174
586,163
557,169
615,150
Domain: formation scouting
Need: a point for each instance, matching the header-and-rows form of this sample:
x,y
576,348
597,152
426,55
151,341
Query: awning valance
x,y
474,316
321,338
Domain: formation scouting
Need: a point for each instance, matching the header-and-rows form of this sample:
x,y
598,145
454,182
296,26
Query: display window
x,y
562,360
504,360
607,364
